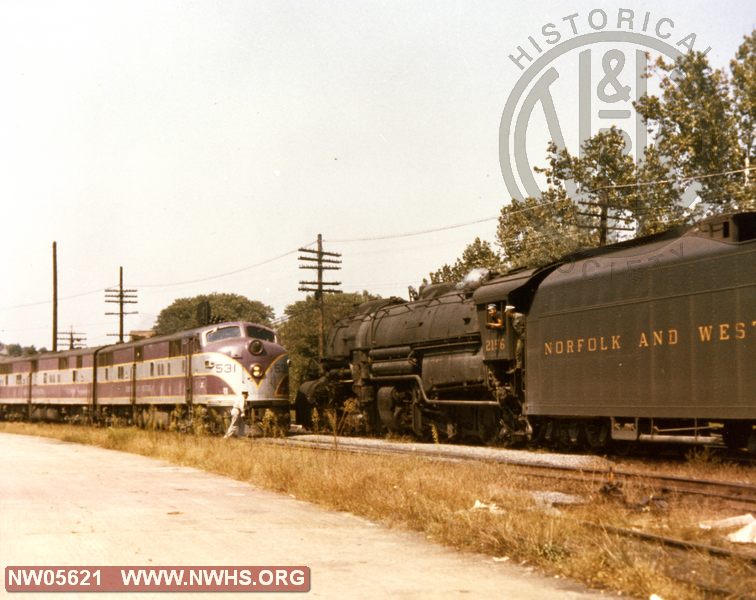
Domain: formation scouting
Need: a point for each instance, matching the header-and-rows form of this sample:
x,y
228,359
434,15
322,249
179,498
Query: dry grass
x,y
436,498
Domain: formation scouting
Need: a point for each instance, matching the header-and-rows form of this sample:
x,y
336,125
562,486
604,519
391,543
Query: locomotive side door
x,y
189,348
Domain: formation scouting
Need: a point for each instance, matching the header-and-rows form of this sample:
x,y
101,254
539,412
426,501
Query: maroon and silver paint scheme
x,y
207,367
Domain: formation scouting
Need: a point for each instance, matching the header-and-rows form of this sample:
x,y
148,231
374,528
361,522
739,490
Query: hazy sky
x,y
186,140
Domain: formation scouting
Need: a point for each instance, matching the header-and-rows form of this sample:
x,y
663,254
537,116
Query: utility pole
x,y
121,297
603,217
321,264
73,339
55,298
603,222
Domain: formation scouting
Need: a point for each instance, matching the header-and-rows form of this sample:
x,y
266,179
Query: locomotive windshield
x,y
223,333
234,331
260,333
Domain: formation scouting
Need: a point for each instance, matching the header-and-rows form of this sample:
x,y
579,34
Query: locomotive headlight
x,y
256,370
256,347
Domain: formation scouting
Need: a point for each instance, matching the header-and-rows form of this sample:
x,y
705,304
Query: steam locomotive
x,y
165,381
652,339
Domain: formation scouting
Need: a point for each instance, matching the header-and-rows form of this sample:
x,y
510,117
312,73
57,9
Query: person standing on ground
x,y
236,429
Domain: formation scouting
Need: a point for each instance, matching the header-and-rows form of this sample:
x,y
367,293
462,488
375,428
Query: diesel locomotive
x,y
160,381
652,339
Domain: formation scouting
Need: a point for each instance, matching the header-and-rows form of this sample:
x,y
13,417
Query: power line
x,y
74,339
673,180
121,297
155,285
41,302
413,233
247,268
540,205
393,236
321,287
447,228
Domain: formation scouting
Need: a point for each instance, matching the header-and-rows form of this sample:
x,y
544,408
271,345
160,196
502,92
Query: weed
x,y
434,434
703,456
269,424
437,499
199,420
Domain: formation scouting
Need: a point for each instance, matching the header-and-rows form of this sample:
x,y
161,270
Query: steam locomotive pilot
x,y
236,428
493,319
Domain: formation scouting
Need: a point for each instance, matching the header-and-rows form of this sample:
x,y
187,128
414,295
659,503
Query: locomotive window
x,y
223,333
18,379
74,376
120,373
152,369
745,227
260,333
174,348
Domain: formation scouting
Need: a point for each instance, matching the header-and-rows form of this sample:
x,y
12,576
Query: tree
x,y
618,194
184,312
14,350
703,122
479,254
743,68
536,231
299,333
612,202
17,350
703,129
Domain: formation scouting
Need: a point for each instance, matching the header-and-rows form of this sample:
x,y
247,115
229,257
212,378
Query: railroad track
x,y
562,466
590,469
743,494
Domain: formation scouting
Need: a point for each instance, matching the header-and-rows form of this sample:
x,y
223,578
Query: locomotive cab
x,y
497,337
499,316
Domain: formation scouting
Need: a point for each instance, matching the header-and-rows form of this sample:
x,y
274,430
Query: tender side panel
x,y
670,332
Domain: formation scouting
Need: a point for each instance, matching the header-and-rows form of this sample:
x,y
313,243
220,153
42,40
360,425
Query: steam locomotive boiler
x,y
648,340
